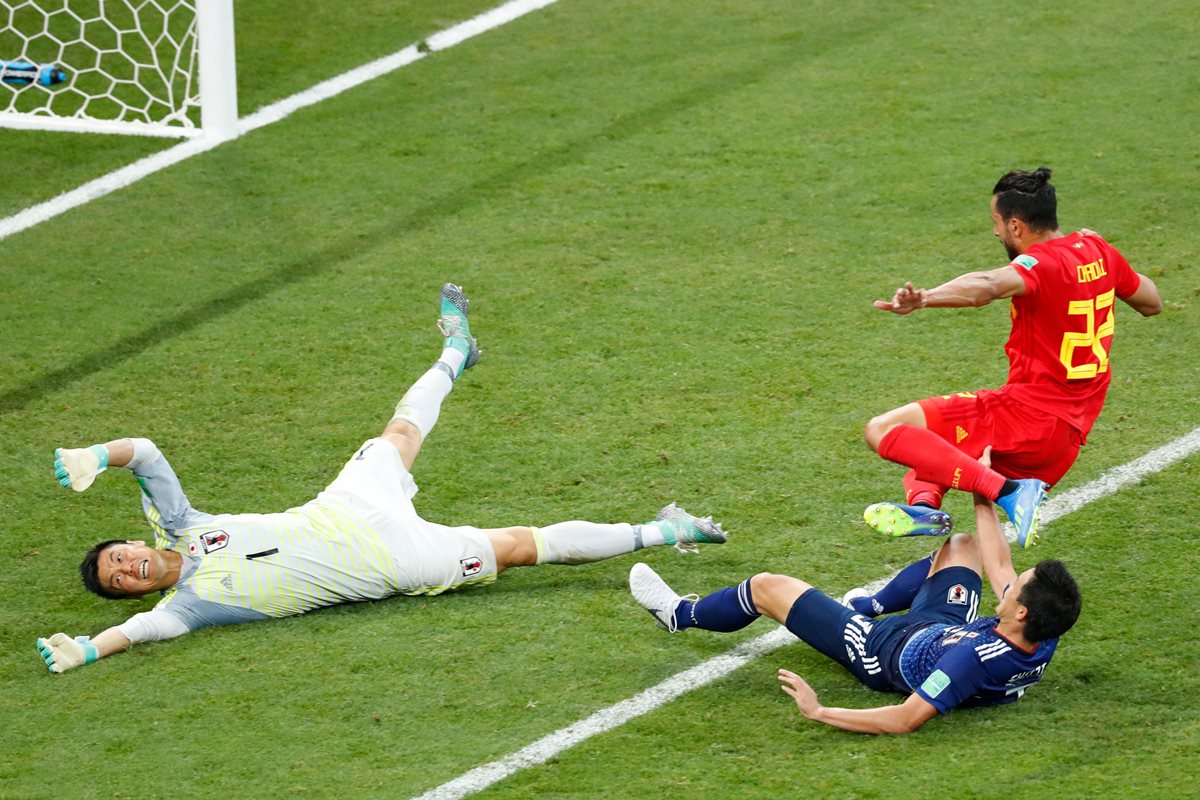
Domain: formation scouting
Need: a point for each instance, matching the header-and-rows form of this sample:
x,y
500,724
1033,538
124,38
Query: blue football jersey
x,y
971,665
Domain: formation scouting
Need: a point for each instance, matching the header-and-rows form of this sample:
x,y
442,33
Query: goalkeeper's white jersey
x,y
316,555
242,567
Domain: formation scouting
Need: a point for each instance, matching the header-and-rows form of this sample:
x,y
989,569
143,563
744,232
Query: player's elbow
x,y
1146,300
1150,308
911,715
986,290
908,724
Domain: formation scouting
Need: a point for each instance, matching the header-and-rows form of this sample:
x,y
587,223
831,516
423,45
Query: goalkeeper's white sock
x,y
422,403
579,542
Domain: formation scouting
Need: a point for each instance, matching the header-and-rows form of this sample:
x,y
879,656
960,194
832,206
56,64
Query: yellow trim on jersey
x,y
430,591
161,540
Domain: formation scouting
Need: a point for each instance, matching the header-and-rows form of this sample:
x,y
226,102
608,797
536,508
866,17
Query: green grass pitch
x,y
672,218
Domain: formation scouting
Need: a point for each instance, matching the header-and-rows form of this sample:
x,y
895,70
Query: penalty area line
x,y
142,168
717,667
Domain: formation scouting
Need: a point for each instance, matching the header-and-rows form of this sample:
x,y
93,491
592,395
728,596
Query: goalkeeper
x,y
359,539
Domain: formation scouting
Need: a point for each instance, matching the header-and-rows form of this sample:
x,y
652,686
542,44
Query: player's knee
x,y
514,547
963,542
774,594
876,429
403,429
961,550
405,437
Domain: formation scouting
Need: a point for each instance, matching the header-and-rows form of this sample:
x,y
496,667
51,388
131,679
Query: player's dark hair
x,y
1028,196
89,570
1052,599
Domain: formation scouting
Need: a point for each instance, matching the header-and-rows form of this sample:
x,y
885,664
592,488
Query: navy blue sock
x,y
900,592
725,610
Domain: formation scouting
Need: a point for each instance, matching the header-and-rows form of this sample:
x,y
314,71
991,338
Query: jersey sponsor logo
x,y
227,582
213,541
471,566
959,434
957,595
1028,262
363,453
936,683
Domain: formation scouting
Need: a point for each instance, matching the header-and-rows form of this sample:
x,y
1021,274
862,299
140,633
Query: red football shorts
x,y
1026,442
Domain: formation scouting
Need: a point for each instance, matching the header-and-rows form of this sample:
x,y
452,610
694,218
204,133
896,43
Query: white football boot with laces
x,y
654,595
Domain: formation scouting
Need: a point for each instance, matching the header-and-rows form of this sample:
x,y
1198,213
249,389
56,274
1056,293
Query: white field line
x,y
704,673
149,165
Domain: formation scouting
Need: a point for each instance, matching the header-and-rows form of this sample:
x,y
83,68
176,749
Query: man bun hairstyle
x,y
89,570
1053,601
1028,196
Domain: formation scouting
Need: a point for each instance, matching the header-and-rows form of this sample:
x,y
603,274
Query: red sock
x,y
935,460
922,493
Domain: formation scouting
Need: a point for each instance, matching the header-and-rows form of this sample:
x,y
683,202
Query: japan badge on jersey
x,y
957,595
471,566
212,541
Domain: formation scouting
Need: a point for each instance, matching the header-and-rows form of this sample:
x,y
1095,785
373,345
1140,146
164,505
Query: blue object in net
x,y
23,73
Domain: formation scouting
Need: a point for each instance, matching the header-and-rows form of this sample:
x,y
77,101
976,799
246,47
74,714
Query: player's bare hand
x,y
1087,232
986,458
906,300
800,691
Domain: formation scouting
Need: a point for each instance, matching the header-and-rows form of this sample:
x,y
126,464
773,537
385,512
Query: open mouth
x,y
145,569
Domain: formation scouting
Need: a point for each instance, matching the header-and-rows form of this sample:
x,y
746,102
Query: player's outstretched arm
x,y
905,300
970,290
61,652
903,717
76,469
994,549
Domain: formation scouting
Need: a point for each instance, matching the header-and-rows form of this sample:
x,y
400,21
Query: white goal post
x,y
148,67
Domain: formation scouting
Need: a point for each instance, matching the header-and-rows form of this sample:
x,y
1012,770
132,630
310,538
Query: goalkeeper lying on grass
x,y
360,539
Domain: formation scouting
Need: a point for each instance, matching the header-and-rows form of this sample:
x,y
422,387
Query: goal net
x,y
152,67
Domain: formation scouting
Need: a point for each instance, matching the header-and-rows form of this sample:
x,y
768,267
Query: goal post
x,y
148,67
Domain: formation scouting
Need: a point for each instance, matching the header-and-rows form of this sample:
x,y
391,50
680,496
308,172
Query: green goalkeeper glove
x,y
61,652
76,469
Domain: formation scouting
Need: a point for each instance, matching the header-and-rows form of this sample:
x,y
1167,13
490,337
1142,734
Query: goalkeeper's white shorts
x,y
431,558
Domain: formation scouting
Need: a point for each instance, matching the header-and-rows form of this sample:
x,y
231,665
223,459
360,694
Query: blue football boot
x,y
1024,509
897,519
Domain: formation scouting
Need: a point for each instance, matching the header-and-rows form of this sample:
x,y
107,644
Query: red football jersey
x,y
1062,327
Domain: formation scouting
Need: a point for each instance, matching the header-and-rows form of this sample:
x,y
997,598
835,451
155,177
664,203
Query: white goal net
x,y
133,66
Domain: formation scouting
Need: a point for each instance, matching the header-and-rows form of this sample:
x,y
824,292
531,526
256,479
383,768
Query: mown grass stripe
x,y
119,179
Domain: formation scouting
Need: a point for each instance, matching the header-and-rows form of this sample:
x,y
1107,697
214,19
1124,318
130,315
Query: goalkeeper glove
x,y
61,652
76,469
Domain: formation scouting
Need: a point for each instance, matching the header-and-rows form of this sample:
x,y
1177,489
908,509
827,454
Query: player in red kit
x,y
1063,290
